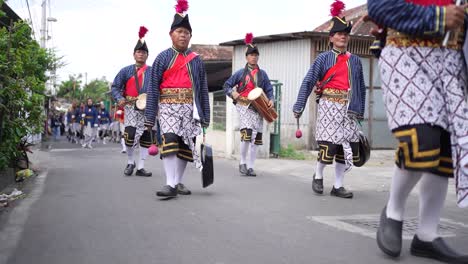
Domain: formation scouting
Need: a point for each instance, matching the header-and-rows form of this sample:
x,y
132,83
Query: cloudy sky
x,y
97,36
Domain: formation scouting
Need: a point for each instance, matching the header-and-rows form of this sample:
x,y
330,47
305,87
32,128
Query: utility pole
x,y
44,24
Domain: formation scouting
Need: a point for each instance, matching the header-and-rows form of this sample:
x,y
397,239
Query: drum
x,y
260,102
140,103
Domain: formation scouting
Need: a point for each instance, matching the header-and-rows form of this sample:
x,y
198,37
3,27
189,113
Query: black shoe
x,y
341,192
143,172
389,235
243,169
167,191
251,172
129,169
182,190
437,249
317,185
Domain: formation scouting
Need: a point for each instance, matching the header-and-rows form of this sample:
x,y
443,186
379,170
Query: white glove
x,y
95,125
73,116
119,112
98,116
83,115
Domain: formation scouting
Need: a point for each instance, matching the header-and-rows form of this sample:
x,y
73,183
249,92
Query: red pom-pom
x,y
298,133
182,6
248,38
336,8
142,32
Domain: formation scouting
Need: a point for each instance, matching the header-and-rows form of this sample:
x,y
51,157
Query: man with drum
x,y
341,92
179,97
131,83
238,87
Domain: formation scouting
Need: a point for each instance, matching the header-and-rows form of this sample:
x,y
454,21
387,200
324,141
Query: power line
x,y
30,18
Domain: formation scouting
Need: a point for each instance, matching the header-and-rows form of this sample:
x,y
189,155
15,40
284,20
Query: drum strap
x,y
137,82
247,72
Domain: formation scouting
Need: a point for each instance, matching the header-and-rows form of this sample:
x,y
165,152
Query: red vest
x,y
180,78
430,2
250,83
130,86
341,78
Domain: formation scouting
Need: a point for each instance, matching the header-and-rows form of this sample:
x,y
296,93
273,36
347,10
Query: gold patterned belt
x,y
335,95
399,39
176,96
242,100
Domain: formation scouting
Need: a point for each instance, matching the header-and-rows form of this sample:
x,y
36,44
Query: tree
x,y
96,89
23,66
71,88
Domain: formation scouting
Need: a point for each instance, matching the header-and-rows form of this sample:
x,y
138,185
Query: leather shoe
x,y
243,169
167,191
251,172
341,192
182,190
436,249
389,235
129,169
143,172
317,185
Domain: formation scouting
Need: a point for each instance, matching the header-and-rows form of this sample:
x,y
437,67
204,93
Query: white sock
x,y
339,174
180,169
433,190
131,158
122,141
170,165
319,170
143,155
253,156
244,147
403,182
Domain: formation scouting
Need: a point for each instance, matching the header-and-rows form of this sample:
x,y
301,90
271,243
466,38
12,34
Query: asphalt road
x,y
83,210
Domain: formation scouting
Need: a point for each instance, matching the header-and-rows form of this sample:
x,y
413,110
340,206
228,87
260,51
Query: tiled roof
x,y
213,52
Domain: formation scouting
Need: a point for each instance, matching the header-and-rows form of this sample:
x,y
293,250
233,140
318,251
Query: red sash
x,y
130,86
330,73
250,83
179,64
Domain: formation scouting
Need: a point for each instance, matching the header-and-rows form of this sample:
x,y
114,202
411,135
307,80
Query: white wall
x,y
287,62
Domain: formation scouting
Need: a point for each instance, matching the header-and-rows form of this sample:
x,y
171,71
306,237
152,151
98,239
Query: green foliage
x,y
23,68
73,89
96,89
291,153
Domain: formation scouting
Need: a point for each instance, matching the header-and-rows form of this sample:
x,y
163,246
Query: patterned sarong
x,y
178,119
136,119
423,85
250,119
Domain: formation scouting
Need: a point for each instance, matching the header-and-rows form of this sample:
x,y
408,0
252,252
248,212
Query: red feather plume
x,y
336,8
142,32
248,38
182,6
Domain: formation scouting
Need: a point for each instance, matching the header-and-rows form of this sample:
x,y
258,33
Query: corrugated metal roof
x,y
355,15
213,52
10,15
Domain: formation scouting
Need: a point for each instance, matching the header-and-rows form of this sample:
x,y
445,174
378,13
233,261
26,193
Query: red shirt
x,y
341,78
180,78
430,2
250,83
130,86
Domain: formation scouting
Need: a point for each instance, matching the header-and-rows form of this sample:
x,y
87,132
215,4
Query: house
x,y
287,58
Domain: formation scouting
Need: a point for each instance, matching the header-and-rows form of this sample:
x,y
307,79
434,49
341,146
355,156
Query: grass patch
x,y
291,153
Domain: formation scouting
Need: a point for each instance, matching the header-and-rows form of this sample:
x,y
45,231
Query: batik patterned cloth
x,y
178,119
423,85
250,119
135,118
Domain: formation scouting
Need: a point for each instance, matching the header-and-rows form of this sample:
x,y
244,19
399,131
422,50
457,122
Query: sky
x,y
97,37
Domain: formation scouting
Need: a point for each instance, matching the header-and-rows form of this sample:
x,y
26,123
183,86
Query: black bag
x,y
364,150
206,155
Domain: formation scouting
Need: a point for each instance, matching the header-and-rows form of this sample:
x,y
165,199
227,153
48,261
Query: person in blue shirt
x,y
89,117
237,87
104,123
339,81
